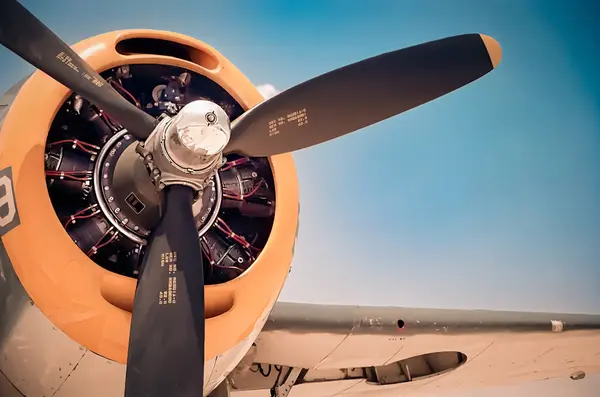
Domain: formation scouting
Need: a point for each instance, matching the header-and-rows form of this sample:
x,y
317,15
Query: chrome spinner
x,y
187,149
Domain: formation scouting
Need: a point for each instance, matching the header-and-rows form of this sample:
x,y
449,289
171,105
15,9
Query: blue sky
x,y
486,198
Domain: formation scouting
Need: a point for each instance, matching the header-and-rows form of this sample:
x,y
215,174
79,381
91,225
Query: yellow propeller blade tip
x,y
493,49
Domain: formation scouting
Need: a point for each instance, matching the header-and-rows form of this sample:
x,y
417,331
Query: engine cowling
x,y
64,269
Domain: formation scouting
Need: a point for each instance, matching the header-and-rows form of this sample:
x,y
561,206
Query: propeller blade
x,y
166,344
29,38
364,93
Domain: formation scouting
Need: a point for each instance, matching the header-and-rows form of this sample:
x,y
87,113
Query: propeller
x,y
166,342
166,345
361,94
24,34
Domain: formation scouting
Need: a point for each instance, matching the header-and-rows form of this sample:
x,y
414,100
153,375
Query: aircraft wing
x,y
324,350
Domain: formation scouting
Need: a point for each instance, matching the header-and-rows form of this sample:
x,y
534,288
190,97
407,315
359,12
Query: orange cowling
x,y
90,304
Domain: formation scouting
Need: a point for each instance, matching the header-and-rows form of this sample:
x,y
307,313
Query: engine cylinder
x,y
68,171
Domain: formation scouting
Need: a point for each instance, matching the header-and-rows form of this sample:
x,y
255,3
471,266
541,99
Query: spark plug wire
x,y
81,214
234,163
71,175
124,91
223,227
243,197
99,244
77,144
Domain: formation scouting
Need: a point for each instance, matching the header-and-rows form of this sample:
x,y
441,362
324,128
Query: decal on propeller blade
x,y
9,217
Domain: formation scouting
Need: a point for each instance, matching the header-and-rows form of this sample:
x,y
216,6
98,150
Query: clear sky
x,y
486,198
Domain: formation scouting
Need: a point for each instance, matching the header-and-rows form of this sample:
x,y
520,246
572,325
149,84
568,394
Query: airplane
x,y
149,210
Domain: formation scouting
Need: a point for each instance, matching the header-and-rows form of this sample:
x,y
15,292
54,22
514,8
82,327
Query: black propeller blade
x,y
364,93
166,344
26,36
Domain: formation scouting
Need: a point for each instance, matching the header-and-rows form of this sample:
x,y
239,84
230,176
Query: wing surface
x,y
326,350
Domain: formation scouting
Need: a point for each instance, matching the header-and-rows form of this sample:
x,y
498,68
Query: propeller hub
x,y
187,149
199,132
